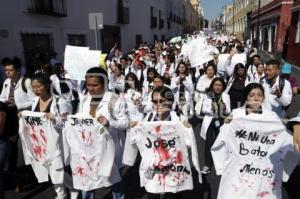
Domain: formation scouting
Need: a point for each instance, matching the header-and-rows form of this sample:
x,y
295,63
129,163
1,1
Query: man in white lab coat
x,y
278,92
109,110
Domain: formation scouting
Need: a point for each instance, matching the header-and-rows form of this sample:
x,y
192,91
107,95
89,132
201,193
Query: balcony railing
x,y
123,15
48,7
153,22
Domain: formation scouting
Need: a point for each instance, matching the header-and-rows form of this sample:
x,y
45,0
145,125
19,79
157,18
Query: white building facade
x,y
28,27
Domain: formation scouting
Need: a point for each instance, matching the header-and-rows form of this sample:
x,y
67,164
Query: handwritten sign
x,y
164,156
78,60
249,153
88,145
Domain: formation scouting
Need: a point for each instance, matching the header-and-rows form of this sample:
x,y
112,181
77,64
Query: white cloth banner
x,y
40,144
165,165
222,62
90,151
250,154
236,58
78,60
199,52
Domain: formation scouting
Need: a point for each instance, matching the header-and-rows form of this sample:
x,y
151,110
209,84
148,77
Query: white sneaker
x,y
205,170
74,194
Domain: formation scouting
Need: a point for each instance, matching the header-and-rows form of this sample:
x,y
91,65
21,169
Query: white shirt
x,y
40,144
90,152
272,102
134,112
165,163
250,155
23,100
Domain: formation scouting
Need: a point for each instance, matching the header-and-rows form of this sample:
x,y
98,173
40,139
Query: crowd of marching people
x,y
82,134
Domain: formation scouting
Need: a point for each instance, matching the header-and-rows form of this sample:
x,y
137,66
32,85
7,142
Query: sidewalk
x,y
265,56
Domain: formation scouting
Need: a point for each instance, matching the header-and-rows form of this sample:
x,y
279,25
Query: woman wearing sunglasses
x,y
162,99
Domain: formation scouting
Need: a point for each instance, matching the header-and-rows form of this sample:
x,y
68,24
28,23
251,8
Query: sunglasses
x,y
158,101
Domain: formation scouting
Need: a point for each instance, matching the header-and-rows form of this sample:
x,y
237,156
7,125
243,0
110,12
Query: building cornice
x,y
271,8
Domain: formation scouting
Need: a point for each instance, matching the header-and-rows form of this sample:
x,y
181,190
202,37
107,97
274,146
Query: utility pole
x,y
257,25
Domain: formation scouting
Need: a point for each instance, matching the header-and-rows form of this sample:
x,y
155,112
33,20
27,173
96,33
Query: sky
x,y
212,8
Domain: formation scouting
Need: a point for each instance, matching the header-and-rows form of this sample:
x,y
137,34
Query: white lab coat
x,y
41,148
135,143
255,78
187,108
58,107
207,110
56,84
133,111
23,100
130,68
171,70
116,83
90,153
147,102
202,84
251,70
252,167
272,102
115,114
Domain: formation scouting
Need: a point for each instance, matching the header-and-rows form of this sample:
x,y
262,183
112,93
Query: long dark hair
x,y
211,86
44,79
138,86
213,65
151,70
237,67
250,87
186,69
120,67
164,92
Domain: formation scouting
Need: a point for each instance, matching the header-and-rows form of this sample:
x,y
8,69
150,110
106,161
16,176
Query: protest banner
x,y
165,163
78,60
250,155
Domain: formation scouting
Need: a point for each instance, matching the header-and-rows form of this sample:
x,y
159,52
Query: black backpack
x,y
23,84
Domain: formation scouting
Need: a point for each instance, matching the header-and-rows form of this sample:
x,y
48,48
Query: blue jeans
x,y
88,194
4,152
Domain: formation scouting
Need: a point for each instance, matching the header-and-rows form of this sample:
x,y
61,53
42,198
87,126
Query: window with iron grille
x,y
122,13
77,40
138,39
47,7
161,23
153,19
34,44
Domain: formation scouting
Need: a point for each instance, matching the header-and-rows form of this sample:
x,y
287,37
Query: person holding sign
x,y
253,152
109,110
216,105
55,109
162,139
